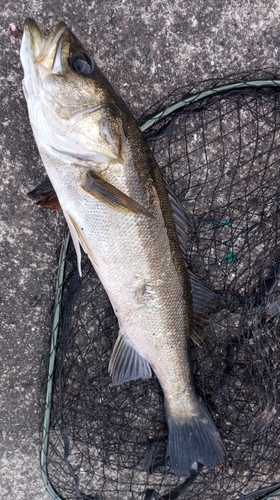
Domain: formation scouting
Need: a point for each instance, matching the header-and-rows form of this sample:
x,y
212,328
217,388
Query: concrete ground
x,y
146,49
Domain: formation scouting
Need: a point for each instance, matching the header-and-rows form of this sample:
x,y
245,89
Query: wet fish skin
x,y
114,199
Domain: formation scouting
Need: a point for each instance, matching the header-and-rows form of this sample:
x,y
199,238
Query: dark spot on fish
x,y
112,109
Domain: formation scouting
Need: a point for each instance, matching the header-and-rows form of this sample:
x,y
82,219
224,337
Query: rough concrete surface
x,y
146,49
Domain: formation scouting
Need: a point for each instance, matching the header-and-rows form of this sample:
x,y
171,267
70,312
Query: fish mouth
x,y
38,51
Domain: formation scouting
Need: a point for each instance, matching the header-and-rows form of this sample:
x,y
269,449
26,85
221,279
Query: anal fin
x,y
126,363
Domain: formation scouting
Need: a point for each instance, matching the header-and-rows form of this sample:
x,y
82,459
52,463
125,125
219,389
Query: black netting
x,y
221,157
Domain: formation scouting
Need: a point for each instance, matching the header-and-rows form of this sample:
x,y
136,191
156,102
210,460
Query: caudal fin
x,y
197,440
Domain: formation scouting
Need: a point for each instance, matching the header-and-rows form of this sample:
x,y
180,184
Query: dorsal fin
x,y
183,224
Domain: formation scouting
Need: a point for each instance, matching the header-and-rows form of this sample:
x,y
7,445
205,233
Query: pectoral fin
x,y
126,363
111,196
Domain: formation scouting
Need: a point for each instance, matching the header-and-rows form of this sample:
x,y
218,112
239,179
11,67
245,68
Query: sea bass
x,y
115,202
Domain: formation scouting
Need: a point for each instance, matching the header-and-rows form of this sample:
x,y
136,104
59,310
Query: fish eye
x,y
81,63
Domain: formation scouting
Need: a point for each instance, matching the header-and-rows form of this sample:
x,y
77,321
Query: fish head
x,y
73,109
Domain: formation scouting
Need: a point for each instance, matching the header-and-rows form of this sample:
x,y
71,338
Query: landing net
x,y
218,146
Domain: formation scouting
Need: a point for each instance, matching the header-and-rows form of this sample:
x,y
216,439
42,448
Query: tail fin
x,y
196,440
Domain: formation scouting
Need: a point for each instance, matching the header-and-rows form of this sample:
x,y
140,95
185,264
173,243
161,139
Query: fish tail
x,y
195,441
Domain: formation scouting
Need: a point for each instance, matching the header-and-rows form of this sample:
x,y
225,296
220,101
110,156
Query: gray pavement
x,y
146,49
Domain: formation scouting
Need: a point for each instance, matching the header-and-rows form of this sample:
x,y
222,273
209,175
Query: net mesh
x,y
221,157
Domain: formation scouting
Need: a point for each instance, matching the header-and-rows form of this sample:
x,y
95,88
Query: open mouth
x,y
44,52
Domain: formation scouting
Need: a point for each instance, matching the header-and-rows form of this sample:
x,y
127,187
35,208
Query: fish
x,y
119,210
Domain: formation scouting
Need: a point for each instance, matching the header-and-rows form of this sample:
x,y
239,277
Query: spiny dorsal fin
x,y
184,226
204,300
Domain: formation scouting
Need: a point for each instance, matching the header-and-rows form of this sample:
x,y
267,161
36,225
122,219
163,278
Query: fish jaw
x,y
38,56
31,44
36,71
